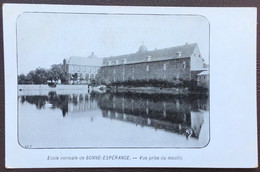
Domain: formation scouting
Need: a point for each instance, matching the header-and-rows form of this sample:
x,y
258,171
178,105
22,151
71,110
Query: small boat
x,y
100,88
51,84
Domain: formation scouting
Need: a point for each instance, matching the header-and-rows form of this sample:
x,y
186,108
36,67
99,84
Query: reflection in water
x,y
180,115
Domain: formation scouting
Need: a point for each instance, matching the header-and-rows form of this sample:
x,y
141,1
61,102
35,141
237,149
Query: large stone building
x,y
85,68
174,63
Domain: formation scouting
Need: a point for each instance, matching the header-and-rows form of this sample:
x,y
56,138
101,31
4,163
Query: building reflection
x,y
69,104
166,112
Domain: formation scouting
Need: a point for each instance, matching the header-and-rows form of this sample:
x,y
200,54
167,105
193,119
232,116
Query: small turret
x,y
142,49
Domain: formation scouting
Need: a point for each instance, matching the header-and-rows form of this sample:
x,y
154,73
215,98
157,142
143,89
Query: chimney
x,y
92,53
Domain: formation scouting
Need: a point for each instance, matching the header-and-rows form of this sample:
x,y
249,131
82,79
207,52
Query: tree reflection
x,y
38,101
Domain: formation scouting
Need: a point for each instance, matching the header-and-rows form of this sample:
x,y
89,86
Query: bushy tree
x,y
41,75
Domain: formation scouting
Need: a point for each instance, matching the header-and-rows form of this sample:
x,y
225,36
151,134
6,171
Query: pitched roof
x,y
155,55
91,60
206,72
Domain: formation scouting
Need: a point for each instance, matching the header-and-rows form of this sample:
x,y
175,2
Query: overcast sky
x,y
47,38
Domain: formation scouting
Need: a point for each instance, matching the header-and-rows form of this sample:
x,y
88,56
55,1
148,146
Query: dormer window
x,y
117,62
148,58
124,61
109,63
178,54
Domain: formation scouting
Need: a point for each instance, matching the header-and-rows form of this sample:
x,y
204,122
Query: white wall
x,y
196,61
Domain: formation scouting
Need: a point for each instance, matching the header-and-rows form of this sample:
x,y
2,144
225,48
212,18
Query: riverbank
x,y
151,90
45,89
157,90
58,87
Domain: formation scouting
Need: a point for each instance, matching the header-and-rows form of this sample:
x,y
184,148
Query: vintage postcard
x,y
97,86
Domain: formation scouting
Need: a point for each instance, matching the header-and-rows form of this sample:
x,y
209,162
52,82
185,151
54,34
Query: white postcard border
x,y
233,129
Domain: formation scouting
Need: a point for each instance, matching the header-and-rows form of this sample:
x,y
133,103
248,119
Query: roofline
x,y
144,62
84,57
84,65
203,74
151,50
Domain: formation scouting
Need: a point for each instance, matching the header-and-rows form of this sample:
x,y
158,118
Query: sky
x,y
44,39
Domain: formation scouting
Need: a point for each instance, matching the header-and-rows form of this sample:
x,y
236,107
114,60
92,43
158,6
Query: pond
x,y
78,119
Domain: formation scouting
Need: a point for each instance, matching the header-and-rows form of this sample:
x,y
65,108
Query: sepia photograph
x,y
113,81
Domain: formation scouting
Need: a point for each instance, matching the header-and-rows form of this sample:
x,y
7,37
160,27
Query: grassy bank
x,y
158,86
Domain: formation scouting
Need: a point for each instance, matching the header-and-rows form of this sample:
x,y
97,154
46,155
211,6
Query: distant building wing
x,y
91,60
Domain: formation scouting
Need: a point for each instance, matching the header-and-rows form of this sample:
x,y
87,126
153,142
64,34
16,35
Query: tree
x,y
37,76
41,75
58,71
75,77
21,79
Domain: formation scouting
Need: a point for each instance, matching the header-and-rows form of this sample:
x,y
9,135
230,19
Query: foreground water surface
x,y
78,119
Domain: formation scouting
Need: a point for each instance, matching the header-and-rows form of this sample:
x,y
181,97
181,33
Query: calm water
x,y
76,119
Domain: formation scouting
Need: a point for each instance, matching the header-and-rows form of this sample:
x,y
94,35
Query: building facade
x,y
174,63
203,79
82,69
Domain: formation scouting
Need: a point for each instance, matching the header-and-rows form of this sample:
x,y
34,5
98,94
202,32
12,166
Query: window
x,y
72,68
147,68
184,65
87,76
78,69
114,71
133,70
124,61
164,66
83,68
177,76
123,73
117,61
109,63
